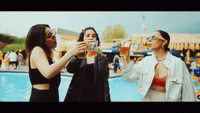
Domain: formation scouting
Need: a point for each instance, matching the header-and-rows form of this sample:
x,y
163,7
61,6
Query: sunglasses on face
x,y
154,37
53,35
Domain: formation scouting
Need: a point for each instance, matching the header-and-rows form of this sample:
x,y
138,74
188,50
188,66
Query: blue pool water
x,y
16,87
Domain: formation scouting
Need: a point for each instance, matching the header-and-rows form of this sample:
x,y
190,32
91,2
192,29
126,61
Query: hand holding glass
x,y
81,55
123,47
92,48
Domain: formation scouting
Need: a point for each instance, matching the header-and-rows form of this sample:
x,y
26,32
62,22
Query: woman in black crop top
x,y
43,73
90,79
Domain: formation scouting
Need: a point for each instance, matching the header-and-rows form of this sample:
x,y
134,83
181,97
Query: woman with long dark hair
x,y
162,76
90,79
43,73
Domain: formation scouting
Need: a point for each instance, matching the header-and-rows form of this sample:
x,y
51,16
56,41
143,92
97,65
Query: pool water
x,y
123,91
16,87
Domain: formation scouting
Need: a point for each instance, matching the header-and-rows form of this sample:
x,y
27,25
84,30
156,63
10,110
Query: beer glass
x,y
124,47
81,55
92,48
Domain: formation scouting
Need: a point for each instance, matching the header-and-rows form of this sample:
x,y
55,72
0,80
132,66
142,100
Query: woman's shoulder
x,y
147,58
176,59
102,57
37,51
38,48
177,62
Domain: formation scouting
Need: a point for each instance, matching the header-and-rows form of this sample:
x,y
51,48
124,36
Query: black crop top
x,y
37,78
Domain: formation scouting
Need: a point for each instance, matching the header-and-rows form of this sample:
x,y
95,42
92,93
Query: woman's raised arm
x,y
49,71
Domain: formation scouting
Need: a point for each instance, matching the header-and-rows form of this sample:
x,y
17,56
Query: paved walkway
x,y
64,71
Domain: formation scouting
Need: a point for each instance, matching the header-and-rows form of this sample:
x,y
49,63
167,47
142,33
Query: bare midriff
x,y
41,86
157,88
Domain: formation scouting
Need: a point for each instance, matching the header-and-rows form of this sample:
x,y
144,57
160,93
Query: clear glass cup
x,y
124,47
92,48
81,55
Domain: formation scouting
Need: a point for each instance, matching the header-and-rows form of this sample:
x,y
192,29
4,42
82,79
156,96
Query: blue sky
x,y
19,23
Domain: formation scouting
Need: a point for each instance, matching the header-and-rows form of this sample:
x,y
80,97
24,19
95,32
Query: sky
x,y
19,23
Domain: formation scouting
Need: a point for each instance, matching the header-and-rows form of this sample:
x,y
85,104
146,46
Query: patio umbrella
x,y
149,52
145,52
175,53
110,50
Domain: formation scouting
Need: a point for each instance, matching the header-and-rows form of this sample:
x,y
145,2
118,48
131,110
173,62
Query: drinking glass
x,y
124,47
93,48
81,55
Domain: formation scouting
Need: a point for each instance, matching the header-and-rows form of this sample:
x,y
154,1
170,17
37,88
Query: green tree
x,y
118,32
19,43
107,35
17,40
14,47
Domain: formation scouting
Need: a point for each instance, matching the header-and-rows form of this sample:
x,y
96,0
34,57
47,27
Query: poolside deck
x,y
64,71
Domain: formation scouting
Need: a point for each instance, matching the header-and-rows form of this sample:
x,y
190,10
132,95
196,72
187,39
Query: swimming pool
x,y
16,87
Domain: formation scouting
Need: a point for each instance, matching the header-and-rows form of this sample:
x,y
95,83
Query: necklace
x,y
161,59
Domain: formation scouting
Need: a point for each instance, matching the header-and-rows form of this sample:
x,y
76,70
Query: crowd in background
x,y
11,60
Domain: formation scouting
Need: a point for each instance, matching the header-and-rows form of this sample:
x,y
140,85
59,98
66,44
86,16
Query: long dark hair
x,y
83,32
36,37
166,36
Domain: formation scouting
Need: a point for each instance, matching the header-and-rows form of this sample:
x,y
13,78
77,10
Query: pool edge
x,y
62,74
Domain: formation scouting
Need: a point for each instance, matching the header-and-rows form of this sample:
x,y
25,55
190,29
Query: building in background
x,y
188,43
65,40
